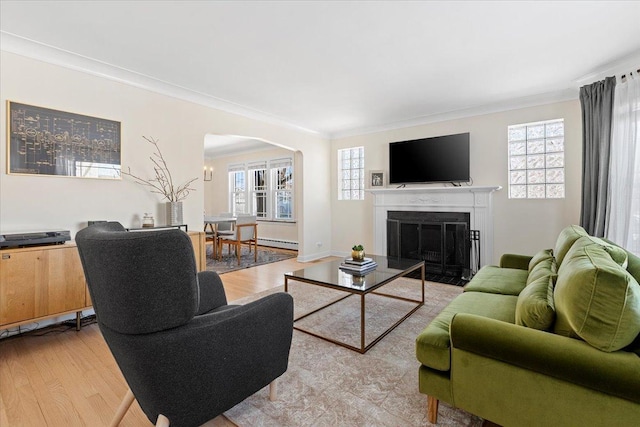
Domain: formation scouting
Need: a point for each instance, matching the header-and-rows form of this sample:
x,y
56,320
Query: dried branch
x,y
162,183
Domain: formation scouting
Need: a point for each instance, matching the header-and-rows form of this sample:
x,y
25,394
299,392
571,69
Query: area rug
x,y
229,262
329,385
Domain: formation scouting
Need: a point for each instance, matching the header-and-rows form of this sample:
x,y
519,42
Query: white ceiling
x,y
338,68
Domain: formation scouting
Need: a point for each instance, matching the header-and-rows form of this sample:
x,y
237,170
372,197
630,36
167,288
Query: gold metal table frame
x,y
352,291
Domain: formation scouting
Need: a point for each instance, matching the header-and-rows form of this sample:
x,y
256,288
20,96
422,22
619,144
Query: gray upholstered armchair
x,y
186,355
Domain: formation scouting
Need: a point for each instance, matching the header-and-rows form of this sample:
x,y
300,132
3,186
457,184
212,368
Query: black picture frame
x,y
43,141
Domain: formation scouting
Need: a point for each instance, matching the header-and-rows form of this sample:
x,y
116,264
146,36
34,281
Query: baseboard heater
x,y
277,243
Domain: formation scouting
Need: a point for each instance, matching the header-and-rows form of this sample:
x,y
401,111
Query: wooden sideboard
x,y
40,282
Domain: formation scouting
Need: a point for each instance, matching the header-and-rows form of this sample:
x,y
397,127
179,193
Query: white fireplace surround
x,y
477,201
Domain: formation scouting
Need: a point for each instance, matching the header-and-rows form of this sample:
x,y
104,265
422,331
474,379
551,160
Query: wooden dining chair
x,y
224,228
214,230
210,237
245,233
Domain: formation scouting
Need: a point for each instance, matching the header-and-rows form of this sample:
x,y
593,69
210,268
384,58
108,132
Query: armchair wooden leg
x,y
432,409
162,421
123,408
273,390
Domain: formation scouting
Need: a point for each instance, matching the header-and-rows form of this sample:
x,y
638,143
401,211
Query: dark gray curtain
x,y
597,109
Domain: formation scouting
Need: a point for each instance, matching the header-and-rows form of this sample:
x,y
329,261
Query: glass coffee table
x,y
329,275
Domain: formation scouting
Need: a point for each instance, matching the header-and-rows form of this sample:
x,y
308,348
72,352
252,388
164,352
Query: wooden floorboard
x,y
69,378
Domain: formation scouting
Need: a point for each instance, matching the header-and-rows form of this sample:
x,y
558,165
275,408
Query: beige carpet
x,y
329,385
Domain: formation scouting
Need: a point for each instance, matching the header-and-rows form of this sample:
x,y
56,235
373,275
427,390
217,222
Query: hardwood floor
x,y
55,378
248,281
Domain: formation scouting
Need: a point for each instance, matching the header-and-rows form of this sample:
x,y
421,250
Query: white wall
x,y
521,226
45,202
216,191
326,224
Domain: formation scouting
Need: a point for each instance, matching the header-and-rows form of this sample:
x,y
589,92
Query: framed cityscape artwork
x,y
42,141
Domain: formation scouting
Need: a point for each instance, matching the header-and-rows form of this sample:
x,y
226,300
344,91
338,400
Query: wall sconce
x,y
208,174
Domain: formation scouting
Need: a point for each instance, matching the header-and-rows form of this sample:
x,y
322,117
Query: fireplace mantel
x,y
475,200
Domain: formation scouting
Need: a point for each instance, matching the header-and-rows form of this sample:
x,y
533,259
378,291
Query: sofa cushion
x,y
616,253
544,268
433,347
634,347
633,266
540,256
596,299
535,308
566,238
498,280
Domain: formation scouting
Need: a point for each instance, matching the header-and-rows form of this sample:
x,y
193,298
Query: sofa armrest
x,y
521,262
575,361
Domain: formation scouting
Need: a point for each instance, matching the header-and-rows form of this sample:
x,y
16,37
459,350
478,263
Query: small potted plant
x,y
357,253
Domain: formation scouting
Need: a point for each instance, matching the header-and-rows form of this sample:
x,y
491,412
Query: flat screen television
x,y
437,159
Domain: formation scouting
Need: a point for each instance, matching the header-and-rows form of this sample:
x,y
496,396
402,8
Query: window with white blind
x,y
536,160
258,189
262,188
237,189
282,188
351,173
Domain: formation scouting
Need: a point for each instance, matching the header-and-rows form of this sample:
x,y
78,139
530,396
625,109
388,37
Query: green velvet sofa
x,y
549,339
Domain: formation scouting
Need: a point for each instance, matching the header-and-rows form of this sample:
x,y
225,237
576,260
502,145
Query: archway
x,y
226,153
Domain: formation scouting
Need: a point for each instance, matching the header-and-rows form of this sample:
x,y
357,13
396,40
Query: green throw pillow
x,y
540,256
544,268
596,299
534,308
566,238
616,253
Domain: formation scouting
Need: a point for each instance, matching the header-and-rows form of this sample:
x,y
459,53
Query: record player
x,y
37,238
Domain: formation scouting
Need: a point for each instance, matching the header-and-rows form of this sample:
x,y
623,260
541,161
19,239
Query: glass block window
x,y
536,160
351,173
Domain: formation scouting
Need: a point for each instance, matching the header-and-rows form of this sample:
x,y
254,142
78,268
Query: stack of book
x,y
360,267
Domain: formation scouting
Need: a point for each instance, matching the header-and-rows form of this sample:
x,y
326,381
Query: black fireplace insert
x,y
440,239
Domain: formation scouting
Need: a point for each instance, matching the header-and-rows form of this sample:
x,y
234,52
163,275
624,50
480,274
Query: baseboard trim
x,y
313,257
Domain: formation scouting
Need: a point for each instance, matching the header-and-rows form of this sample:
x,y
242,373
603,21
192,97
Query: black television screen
x,y
437,159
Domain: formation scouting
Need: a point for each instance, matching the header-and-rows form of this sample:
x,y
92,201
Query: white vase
x,y
174,213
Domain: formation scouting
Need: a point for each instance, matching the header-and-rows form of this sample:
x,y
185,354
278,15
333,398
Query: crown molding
x,y
43,52
512,104
630,62
40,51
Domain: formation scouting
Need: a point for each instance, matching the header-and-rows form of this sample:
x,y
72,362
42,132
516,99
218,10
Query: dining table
x,y
211,227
